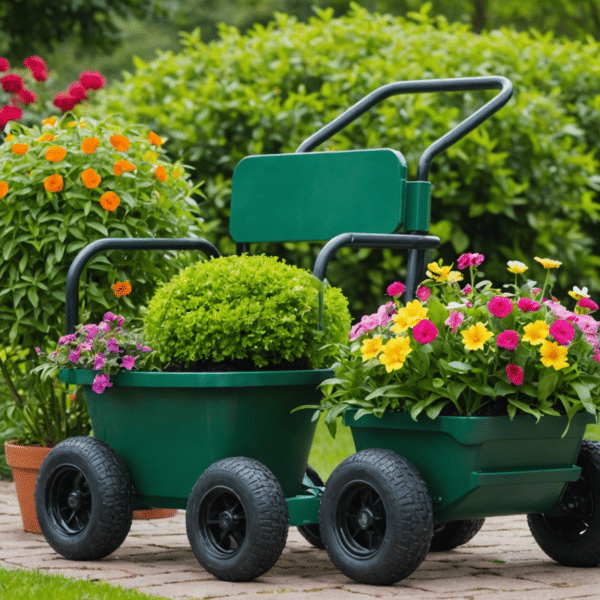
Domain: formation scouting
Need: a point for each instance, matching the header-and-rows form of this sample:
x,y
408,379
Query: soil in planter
x,y
493,408
242,364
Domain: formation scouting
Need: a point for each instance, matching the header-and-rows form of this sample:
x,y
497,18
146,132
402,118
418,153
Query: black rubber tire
x,y
452,534
574,540
83,499
376,517
237,519
312,533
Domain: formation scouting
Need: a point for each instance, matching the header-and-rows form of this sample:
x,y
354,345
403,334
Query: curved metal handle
x,y
460,84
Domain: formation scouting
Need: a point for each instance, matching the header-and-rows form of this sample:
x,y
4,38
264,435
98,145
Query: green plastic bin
x,y
481,466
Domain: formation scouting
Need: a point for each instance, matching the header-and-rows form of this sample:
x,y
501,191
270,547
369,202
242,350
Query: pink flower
x,y
587,303
469,259
128,362
143,348
109,316
120,321
74,356
423,293
385,312
92,80
528,305
395,289
562,331
66,338
112,345
91,330
515,374
596,357
467,289
100,383
356,331
64,101
27,96
9,113
104,326
500,306
34,63
560,311
587,324
592,338
11,83
77,91
536,291
85,346
4,64
99,361
508,339
454,320
39,74
425,331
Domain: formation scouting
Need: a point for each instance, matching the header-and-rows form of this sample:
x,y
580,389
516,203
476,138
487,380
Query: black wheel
x,y
83,499
237,519
574,539
312,533
376,517
454,533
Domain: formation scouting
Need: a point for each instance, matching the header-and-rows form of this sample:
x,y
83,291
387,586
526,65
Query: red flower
x,y
9,113
562,331
425,331
4,64
500,306
11,83
528,305
35,63
40,74
395,289
92,80
64,101
515,374
77,91
508,339
27,96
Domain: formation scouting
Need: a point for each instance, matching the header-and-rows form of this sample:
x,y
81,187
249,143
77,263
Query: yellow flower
x,y
150,156
438,273
579,294
395,353
9,137
476,336
554,355
401,323
548,263
371,348
455,277
49,121
514,266
47,137
409,316
536,333
176,173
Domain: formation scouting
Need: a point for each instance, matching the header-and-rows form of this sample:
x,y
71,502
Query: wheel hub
x,y
364,518
225,520
74,500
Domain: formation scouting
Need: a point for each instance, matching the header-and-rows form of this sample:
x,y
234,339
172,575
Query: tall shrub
x,y
525,182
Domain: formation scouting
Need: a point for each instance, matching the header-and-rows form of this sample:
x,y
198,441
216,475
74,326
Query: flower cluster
x,y
472,349
105,347
14,84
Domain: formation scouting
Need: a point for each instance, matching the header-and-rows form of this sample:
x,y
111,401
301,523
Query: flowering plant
x,y
471,350
106,347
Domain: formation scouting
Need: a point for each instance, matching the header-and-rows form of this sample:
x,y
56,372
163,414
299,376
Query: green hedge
x,y
523,184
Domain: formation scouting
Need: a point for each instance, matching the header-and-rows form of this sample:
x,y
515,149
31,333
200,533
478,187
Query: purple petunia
x,y
101,382
74,356
66,338
91,330
99,361
112,345
128,362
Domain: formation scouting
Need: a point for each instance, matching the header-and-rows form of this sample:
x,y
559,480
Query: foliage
x,y
474,350
252,311
526,178
32,26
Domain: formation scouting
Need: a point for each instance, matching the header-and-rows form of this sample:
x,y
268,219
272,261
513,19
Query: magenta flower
x,y
454,320
423,293
425,331
99,361
528,305
536,291
587,324
128,362
467,289
562,331
385,312
85,346
356,331
109,316
92,330
508,339
469,259
74,356
104,326
587,303
112,345
101,382
120,321
592,338
500,306
395,289
66,338
515,374
596,357
143,348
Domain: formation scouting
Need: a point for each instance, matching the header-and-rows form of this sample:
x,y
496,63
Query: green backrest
x,y
315,196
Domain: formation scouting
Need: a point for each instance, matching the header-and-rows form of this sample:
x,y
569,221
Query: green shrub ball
x,y
251,311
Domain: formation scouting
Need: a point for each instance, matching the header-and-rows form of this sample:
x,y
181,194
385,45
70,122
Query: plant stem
x,y
17,398
545,283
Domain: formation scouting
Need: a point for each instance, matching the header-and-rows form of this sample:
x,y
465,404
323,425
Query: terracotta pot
x,y
25,462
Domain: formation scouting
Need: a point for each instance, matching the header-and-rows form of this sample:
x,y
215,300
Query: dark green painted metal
x,y
316,196
168,432
418,206
304,507
481,466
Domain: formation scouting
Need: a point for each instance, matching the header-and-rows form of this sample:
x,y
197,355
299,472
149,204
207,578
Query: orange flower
x,y
47,137
3,189
54,183
176,173
49,121
55,153
121,166
19,148
110,201
154,139
120,142
161,173
122,288
89,145
91,179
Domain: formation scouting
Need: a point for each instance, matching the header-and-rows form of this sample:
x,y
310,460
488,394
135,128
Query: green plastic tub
x,y
169,427
481,466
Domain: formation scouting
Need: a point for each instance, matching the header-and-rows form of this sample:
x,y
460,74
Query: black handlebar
x,y
460,84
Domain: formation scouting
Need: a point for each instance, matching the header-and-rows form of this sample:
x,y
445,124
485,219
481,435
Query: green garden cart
x,y
228,448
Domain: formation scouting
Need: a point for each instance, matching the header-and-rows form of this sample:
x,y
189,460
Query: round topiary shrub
x,y
243,313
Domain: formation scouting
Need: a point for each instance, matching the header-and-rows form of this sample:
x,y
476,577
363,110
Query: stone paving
x,y
501,563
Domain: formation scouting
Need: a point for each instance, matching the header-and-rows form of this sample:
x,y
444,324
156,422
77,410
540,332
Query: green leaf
x,y
584,395
547,384
98,227
502,388
459,366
